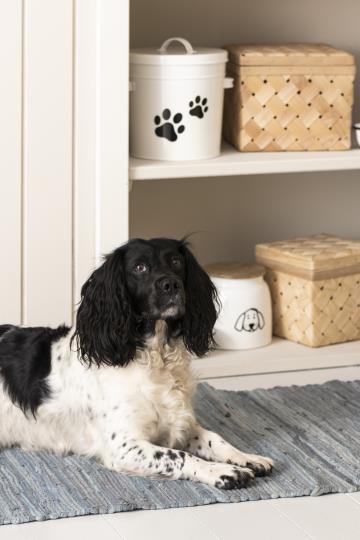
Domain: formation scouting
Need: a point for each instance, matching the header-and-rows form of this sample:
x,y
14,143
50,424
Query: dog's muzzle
x,y
172,296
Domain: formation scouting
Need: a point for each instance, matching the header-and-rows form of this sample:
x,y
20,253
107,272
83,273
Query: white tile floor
x,y
330,517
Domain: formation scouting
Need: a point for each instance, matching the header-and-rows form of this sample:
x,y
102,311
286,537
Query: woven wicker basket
x,y
289,97
315,288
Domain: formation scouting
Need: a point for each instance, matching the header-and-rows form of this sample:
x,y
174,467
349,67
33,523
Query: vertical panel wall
x,y
85,138
63,150
47,247
113,125
101,82
10,160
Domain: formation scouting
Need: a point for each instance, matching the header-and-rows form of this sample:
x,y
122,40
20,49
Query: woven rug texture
x,y
312,432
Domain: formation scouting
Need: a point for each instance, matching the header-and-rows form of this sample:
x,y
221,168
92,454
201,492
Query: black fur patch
x,y
25,363
239,479
5,328
119,306
172,455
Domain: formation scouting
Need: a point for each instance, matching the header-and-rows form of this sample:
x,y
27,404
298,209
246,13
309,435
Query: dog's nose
x,y
169,285
251,325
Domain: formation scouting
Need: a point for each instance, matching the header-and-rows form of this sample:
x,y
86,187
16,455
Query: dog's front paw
x,y
234,478
260,465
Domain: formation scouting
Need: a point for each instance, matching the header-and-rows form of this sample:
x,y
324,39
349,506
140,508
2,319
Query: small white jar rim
x,y
235,271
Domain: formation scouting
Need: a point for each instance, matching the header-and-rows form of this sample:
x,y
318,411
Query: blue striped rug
x,y
312,432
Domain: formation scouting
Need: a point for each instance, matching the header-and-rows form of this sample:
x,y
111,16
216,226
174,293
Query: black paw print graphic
x,y
198,107
170,129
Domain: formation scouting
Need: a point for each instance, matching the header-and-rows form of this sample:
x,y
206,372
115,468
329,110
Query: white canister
x,y
176,101
245,319
357,132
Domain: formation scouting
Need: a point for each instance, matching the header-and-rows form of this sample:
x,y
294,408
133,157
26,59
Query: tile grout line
x,y
297,525
108,521
350,496
207,530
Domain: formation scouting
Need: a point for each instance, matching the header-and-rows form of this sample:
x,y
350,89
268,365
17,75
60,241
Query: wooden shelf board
x,y
280,356
234,163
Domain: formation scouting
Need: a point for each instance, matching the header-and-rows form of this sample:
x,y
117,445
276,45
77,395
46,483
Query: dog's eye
x,y
176,261
141,268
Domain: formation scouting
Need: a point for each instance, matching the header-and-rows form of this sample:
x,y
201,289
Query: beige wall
x,y
235,213
230,215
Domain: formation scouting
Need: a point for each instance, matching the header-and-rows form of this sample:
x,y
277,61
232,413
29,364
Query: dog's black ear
x,y
105,323
201,306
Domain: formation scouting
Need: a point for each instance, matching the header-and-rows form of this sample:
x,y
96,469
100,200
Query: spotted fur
x,y
134,418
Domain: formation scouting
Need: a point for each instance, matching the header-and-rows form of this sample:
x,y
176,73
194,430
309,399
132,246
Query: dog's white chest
x,y
164,389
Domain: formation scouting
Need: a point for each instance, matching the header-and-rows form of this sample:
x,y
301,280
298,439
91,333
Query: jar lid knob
x,y
188,47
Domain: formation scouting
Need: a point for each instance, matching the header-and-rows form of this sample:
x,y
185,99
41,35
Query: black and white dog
x,y
118,386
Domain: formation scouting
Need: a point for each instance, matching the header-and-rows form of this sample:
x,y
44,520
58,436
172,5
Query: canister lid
x,y
234,270
185,55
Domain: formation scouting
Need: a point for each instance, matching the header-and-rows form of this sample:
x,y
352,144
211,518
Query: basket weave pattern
x,y
315,313
289,97
289,112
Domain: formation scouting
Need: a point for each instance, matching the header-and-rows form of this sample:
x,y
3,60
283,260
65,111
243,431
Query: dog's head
x,y
139,283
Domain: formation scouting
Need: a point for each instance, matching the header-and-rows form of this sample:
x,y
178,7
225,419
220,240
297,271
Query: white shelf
x,y
234,163
280,356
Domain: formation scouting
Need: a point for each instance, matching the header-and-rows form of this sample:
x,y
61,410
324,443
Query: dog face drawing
x,y
250,321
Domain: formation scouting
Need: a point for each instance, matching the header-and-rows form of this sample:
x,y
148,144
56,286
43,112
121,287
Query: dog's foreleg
x,y
209,445
143,458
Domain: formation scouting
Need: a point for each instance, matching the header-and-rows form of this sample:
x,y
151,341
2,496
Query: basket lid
x,y
183,55
290,54
320,256
235,270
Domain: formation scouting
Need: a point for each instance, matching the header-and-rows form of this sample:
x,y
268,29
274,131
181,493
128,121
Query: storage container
x,y
315,288
245,320
357,132
176,101
289,97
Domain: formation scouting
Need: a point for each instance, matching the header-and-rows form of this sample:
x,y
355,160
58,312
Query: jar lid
x,y
184,56
235,270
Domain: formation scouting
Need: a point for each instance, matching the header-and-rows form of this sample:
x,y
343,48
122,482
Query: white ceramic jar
x,y
245,319
176,101
357,132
